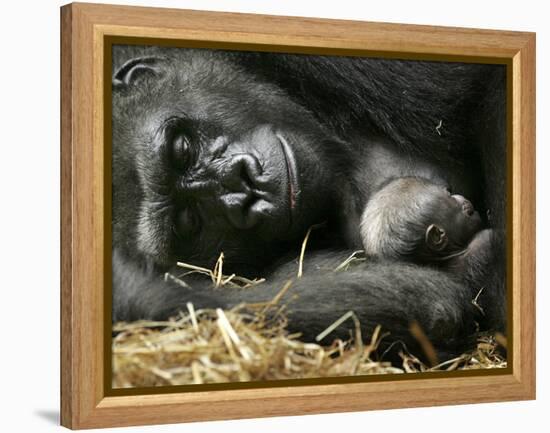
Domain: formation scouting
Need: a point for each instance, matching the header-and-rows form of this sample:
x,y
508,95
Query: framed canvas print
x,y
307,215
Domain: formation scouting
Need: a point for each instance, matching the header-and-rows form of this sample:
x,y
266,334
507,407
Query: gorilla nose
x,y
240,173
244,201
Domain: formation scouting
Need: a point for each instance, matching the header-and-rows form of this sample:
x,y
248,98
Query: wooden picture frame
x,y
85,228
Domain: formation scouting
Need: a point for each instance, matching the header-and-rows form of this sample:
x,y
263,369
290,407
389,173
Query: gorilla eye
x,y
181,151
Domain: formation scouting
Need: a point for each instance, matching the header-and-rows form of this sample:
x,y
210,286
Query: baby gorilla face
x,y
455,221
417,219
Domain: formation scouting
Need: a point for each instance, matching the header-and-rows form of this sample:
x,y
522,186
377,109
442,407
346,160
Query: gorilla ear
x,y
138,70
436,238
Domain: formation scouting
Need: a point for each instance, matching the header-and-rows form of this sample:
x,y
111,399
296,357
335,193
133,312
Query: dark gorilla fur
x,y
353,124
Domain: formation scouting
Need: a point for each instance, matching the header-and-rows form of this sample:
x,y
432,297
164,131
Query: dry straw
x,y
251,342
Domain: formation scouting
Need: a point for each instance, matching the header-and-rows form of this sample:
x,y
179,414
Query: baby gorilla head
x,y
418,220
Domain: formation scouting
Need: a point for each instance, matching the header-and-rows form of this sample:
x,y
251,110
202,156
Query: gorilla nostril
x,y
245,176
240,173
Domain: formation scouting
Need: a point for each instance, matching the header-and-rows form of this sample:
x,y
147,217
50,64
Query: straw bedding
x,y
251,343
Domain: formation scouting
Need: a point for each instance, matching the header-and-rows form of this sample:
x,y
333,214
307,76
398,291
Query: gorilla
x,y
421,221
242,152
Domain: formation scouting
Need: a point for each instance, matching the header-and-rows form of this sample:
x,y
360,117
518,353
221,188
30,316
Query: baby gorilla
x,y
417,220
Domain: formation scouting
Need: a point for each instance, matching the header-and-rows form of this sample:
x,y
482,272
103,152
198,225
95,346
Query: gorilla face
x,y
213,161
459,218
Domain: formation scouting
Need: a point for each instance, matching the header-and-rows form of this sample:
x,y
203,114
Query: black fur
x,y
353,123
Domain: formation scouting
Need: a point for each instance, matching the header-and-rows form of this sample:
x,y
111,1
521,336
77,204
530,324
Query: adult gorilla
x,y
243,152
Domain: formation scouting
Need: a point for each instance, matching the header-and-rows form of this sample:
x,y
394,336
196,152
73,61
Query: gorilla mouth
x,y
291,171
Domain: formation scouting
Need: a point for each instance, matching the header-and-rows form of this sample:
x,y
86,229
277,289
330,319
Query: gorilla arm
x,y
392,295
